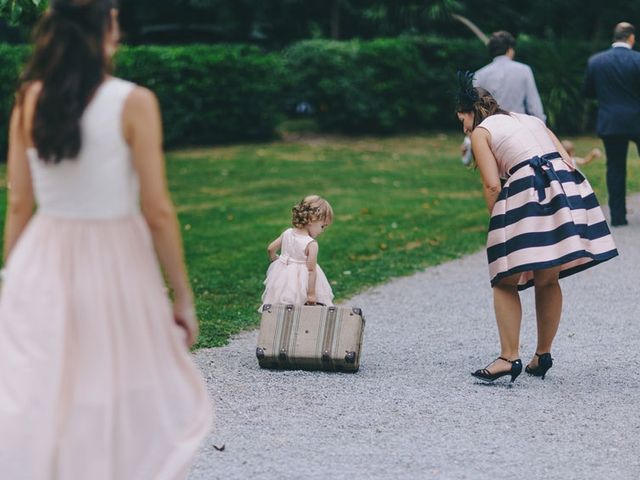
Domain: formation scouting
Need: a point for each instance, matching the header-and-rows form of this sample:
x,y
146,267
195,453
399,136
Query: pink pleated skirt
x,y
95,379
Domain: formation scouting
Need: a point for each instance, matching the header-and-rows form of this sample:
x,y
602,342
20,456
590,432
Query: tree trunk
x,y
335,19
471,26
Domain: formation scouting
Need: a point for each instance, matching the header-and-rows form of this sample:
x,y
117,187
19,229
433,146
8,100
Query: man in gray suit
x,y
511,83
613,78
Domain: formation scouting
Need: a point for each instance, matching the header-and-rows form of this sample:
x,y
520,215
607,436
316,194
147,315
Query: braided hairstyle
x,y
475,100
310,209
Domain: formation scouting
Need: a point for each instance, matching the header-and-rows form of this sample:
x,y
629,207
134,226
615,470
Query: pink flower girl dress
x,y
95,379
288,277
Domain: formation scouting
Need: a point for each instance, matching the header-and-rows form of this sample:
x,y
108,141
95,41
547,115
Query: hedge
x,y
208,94
375,86
212,94
11,60
391,85
559,69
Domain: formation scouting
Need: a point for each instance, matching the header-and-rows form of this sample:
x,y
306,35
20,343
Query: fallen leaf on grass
x,y
412,245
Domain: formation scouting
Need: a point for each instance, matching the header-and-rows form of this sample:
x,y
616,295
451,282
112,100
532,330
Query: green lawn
x,y
401,203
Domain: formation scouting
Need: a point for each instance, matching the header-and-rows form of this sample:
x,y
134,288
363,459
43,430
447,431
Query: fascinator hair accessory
x,y
467,94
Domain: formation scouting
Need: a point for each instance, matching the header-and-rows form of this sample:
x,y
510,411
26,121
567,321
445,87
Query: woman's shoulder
x,y
531,121
137,100
29,93
133,92
32,89
496,120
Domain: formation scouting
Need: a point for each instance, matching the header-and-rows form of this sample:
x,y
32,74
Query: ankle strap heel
x,y
545,362
486,376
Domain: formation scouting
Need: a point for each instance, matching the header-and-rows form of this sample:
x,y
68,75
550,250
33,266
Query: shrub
x,y
375,86
208,94
391,85
559,68
212,94
11,60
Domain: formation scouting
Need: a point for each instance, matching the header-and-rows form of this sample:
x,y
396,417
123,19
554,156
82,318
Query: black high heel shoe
x,y
545,362
486,376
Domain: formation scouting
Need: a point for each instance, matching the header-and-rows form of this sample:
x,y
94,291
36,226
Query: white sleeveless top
x,y
100,183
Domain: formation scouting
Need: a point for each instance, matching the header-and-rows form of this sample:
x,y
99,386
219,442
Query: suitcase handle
x,y
319,304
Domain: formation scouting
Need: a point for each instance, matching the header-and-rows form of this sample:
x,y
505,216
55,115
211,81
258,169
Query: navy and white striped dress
x,y
547,214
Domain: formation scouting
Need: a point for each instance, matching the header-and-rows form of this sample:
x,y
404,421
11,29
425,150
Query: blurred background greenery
x,y
230,70
277,23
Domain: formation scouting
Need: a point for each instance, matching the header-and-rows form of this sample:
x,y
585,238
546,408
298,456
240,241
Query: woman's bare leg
x,y
508,310
548,309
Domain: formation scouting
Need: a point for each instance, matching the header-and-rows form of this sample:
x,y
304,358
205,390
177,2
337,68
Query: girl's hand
x,y
311,298
184,314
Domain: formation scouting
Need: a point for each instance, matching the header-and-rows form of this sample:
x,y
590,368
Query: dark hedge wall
x,y
213,94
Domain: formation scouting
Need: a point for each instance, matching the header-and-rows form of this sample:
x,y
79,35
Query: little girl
x,y
294,277
579,161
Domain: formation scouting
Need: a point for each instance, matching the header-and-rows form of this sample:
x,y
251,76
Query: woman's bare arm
x,y
487,164
20,196
143,132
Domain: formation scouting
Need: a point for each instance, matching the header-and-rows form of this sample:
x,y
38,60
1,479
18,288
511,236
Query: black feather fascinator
x,y
467,95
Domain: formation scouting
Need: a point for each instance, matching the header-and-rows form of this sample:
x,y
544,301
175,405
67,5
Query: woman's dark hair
x,y
475,99
70,62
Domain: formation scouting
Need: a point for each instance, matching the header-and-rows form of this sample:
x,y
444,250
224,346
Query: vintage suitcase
x,y
310,337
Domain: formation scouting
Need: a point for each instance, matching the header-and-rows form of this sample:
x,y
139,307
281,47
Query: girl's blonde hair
x,y
310,209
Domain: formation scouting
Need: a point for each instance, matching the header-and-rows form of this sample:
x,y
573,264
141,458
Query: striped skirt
x,y
546,215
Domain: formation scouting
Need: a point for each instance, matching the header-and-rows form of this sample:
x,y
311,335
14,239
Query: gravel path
x,y
414,412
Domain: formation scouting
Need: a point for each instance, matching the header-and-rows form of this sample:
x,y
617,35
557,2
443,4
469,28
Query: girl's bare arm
x,y
143,132
273,248
312,261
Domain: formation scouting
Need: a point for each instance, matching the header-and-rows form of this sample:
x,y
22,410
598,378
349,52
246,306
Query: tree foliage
x,y
22,13
277,23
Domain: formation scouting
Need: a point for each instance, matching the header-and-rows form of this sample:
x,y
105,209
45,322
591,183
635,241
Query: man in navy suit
x,y
613,78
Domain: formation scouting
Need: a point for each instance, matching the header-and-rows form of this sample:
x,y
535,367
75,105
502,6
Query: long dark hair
x,y
70,62
476,100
